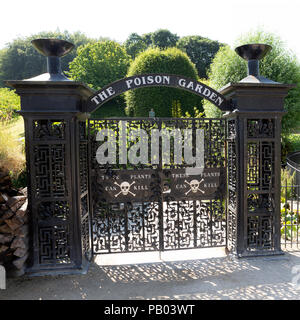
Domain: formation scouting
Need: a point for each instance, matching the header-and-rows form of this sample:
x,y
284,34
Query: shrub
x,y
161,99
98,64
9,103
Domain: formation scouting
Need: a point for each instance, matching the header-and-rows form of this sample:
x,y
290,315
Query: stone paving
x,y
205,278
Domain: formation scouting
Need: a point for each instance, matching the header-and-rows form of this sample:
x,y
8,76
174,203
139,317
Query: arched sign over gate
x,y
144,191
154,80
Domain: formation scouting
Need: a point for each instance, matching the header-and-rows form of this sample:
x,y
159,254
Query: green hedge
x,y
172,61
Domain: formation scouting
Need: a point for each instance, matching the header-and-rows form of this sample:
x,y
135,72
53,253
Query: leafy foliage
x,y
161,38
279,65
9,103
172,60
98,64
289,224
289,143
200,50
226,67
289,214
134,45
111,109
21,61
176,109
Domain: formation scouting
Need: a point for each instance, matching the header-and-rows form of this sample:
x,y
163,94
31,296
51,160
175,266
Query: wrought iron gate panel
x,y
261,186
232,167
153,219
83,188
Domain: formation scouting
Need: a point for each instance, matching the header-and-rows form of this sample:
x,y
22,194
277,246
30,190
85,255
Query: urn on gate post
x,y
254,158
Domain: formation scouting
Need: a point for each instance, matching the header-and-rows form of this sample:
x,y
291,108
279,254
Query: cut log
x,y
3,248
19,242
5,180
24,191
14,240
22,211
6,188
3,172
20,252
13,200
5,238
22,232
3,197
8,214
24,219
3,208
6,229
14,223
17,205
19,263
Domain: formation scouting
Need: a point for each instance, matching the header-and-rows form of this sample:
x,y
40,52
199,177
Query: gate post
x,y
56,158
254,159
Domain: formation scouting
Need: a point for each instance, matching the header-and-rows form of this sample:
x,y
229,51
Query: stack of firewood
x,y
13,226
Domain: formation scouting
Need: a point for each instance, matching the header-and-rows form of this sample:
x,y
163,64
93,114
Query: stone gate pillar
x,y
254,159
56,156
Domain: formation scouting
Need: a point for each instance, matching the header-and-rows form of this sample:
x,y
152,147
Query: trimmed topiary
x,y
161,99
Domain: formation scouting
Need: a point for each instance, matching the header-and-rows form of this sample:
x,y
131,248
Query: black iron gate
x,y
157,201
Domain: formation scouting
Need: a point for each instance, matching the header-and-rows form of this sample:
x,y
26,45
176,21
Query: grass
x,y
9,103
12,155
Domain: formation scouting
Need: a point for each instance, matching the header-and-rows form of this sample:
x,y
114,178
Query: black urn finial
x,y
53,49
252,53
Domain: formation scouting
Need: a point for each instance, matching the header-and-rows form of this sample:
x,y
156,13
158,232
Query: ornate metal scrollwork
x,y
126,221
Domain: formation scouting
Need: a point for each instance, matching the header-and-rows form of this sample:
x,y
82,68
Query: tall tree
x,y
134,45
98,64
278,65
200,50
147,38
163,39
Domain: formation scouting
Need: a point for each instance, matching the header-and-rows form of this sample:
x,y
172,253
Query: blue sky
x,y
218,20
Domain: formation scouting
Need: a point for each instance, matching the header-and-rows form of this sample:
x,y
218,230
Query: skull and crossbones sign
x,y
124,188
194,186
